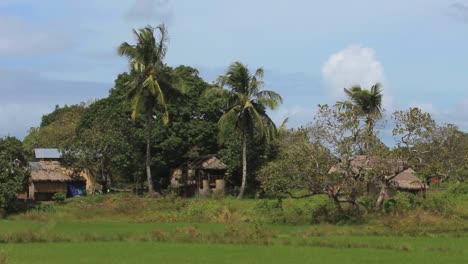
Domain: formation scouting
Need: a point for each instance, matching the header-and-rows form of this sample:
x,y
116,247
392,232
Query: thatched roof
x,y
362,163
409,181
51,171
208,162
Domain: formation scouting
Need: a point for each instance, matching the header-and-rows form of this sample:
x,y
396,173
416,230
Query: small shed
x,y
49,177
206,173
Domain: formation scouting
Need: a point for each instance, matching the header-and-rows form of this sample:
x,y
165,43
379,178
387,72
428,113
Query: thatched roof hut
x,y
208,162
51,171
49,177
201,173
407,180
362,163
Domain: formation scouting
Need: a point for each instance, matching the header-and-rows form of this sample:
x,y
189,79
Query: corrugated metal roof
x,y
47,153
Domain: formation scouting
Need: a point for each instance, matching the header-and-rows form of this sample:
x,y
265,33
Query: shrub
x,y
43,208
329,213
3,257
402,202
59,197
458,189
439,204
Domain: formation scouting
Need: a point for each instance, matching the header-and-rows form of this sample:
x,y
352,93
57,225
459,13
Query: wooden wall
x,y
50,187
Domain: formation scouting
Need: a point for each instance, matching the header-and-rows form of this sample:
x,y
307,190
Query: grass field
x,y
126,229
144,252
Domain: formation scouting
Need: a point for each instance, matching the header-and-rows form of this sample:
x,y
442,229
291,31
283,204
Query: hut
x,y
203,174
49,177
405,179
408,181
363,163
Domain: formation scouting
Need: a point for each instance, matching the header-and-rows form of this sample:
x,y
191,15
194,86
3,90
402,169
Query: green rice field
x,y
141,230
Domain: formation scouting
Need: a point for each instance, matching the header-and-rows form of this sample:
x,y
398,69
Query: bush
x,y
43,208
328,213
3,257
402,202
439,204
458,189
59,198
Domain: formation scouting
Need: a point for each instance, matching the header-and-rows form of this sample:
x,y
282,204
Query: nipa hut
x,y
203,174
408,181
49,177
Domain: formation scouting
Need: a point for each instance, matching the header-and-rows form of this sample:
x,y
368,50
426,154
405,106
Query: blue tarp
x,y
76,189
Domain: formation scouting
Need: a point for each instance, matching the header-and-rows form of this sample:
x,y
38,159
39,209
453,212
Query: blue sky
x,y
56,52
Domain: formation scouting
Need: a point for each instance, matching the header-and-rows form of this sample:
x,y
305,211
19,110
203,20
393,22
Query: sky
x,y
55,52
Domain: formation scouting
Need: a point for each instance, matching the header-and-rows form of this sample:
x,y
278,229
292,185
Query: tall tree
x,y
367,103
149,84
14,175
246,104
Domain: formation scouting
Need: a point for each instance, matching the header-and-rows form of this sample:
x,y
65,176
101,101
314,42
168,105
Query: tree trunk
x,y
244,167
381,199
337,204
149,126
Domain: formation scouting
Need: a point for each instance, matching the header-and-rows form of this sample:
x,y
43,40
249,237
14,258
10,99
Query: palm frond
x,y
162,45
227,122
137,105
272,99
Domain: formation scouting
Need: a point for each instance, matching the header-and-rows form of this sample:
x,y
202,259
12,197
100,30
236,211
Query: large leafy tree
x,y
246,105
107,143
149,85
434,150
14,174
57,129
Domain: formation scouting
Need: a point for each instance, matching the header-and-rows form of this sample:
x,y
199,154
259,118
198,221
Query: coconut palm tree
x,y
367,103
246,106
148,84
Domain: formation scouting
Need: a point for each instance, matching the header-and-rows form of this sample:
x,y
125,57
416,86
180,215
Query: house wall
x,y
50,187
91,184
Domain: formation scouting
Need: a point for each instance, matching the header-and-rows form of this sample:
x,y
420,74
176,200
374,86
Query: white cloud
x,y
297,115
459,11
355,65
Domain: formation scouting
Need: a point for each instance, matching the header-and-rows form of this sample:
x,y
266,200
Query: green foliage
x,y
14,174
438,203
458,189
107,143
328,212
59,197
300,165
402,202
3,257
57,129
246,106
